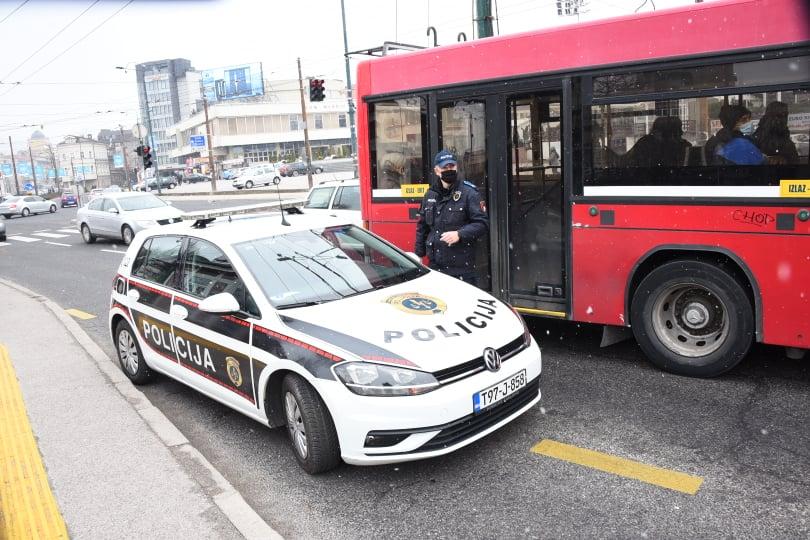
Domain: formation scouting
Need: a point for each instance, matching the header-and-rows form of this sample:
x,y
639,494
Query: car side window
x,y
107,204
319,198
29,199
95,204
207,271
347,198
140,258
160,265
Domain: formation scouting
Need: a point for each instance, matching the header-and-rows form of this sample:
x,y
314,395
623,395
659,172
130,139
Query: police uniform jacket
x,y
459,208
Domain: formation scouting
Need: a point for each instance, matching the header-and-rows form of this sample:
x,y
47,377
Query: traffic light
x,y
146,154
316,90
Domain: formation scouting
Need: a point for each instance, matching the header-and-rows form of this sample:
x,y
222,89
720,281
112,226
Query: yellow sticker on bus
x,y
794,188
413,190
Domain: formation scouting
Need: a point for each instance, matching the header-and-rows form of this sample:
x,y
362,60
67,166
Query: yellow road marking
x,y
79,314
28,508
678,481
540,312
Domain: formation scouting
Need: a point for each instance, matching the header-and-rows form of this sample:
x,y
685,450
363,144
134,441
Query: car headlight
x,y
146,223
527,336
367,379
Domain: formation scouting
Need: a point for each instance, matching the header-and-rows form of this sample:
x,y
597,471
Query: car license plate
x,y
492,395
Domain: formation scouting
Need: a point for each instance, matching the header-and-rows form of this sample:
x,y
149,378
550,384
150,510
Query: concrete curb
x,y
217,487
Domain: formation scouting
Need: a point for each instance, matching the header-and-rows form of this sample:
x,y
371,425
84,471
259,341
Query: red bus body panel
x,y
779,261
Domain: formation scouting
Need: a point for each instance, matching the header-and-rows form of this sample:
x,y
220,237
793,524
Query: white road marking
x,y
50,235
4,244
68,231
57,244
23,239
114,251
42,230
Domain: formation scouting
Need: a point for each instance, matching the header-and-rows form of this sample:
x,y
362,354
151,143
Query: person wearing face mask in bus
x,y
452,217
734,145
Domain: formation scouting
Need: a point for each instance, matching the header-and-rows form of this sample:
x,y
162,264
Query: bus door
x,y
462,130
535,272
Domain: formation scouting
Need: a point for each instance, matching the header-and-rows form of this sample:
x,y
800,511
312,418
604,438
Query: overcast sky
x,y
71,85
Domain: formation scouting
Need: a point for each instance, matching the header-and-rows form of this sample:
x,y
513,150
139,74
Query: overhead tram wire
x,y
14,11
49,41
52,60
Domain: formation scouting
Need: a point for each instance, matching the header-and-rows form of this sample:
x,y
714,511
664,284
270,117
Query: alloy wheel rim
x,y
128,352
690,320
295,424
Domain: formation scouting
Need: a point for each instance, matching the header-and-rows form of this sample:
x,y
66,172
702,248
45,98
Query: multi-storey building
x,y
83,161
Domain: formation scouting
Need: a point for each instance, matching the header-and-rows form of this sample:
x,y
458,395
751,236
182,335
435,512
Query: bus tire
x,y
692,318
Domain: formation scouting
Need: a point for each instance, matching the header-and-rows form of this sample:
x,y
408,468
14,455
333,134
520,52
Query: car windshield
x,y
320,265
140,202
319,198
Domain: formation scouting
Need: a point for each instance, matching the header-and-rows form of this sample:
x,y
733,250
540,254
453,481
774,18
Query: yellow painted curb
x,y
677,481
28,508
79,314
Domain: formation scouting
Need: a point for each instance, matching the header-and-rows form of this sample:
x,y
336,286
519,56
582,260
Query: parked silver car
x,y
25,205
122,215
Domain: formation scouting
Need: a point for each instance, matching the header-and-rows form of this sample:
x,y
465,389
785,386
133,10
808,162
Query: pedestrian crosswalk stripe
x,y
68,231
4,244
23,239
57,244
50,235
114,251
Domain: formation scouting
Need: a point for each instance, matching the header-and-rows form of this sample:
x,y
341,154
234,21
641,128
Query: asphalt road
x,y
745,435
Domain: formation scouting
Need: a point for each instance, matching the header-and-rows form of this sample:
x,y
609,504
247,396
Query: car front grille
x,y
461,371
468,426
169,220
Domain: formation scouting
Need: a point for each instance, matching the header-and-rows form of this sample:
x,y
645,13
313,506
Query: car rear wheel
x,y
318,170
53,208
294,173
172,185
130,356
248,184
26,212
692,318
127,235
87,236
309,424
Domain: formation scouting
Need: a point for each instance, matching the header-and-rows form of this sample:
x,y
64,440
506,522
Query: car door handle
x,y
178,311
134,294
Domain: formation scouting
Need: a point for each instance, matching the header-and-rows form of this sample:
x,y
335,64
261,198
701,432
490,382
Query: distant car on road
x,y
25,205
258,174
95,193
69,199
166,182
122,215
297,168
193,178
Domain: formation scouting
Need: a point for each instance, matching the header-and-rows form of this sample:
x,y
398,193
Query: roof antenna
x,y
276,182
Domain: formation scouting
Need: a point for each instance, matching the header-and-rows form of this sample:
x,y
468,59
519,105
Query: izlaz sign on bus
x,y
232,82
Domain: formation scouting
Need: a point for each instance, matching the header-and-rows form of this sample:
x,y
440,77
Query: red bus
x,y
597,147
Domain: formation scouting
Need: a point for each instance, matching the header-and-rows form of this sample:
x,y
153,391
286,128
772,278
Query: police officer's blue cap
x,y
444,158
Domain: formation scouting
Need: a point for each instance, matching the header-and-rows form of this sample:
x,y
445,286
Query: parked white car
x,y
339,198
257,175
122,215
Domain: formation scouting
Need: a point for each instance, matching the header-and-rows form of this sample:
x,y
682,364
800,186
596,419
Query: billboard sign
x,y
118,160
197,140
233,82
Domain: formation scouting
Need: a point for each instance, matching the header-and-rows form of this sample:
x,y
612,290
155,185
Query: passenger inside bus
x,y
731,145
772,135
663,146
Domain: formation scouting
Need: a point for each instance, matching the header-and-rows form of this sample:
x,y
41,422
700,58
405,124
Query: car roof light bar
x,y
203,217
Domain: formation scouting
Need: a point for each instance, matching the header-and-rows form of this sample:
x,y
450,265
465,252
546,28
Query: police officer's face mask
x,y
449,176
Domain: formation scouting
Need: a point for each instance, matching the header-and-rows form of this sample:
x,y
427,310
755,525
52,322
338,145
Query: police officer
x,y
452,217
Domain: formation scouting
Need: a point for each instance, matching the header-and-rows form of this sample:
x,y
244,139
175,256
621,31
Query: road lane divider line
x,y
57,244
68,231
28,508
24,239
50,235
79,314
114,251
674,480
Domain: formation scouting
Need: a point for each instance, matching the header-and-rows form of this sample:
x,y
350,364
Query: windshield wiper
x,y
299,304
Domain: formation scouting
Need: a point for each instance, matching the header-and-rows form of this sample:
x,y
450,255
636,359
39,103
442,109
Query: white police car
x,y
320,326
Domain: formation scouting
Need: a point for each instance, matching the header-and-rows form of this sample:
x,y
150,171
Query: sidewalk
x,y
116,465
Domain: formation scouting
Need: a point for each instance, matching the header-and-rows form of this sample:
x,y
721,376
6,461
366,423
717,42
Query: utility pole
x,y
349,96
126,161
210,146
483,10
14,165
33,170
306,130
151,136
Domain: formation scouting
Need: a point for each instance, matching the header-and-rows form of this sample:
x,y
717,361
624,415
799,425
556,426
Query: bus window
x,y
462,130
398,144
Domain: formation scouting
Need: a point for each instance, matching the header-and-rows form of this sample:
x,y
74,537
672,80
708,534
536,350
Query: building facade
x,y
83,161
170,87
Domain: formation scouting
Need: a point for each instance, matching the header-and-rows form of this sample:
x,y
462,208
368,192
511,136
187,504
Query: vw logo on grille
x,y
492,359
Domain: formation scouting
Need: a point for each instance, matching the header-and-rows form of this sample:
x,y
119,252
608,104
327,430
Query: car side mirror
x,y
113,210
220,303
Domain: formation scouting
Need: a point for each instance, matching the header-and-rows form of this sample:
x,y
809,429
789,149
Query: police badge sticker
x,y
456,195
417,304
234,373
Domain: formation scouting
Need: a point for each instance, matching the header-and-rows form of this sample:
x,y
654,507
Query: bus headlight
x,y
367,379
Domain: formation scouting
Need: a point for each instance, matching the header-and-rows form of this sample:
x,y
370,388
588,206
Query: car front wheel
x,y
130,356
310,426
248,184
172,185
318,170
87,236
53,208
26,212
295,173
127,235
